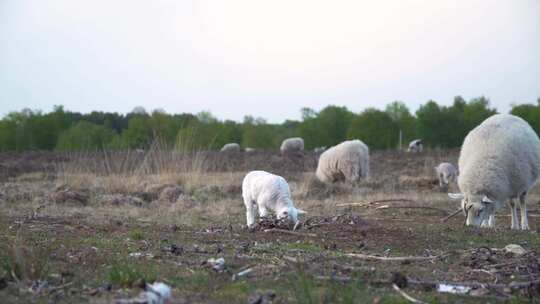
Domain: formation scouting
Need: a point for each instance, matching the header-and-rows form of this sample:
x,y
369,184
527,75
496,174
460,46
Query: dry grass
x,y
92,241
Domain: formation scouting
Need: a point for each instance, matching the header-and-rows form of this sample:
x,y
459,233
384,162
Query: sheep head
x,y
290,213
477,208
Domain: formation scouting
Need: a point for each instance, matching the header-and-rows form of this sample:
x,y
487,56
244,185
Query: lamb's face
x,y
290,213
477,210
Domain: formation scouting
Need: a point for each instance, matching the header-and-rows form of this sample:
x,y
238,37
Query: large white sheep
x,y
265,191
292,145
347,161
416,146
446,173
499,161
231,147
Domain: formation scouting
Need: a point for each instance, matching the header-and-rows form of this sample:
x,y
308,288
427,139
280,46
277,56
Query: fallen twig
x,y
343,279
406,296
290,232
411,207
364,204
53,289
399,259
428,285
446,218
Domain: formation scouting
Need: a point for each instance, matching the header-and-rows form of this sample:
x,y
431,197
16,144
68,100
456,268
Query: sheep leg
x,y
250,213
263,212
351,172
513,209
491,222
523,209
484,224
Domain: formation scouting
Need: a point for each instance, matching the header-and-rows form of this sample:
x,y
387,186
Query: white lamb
x,y
499,161
231,147
347,161
292,145
416,146
265,191
446,173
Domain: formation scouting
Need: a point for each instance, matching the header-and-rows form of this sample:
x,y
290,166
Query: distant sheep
x,y
416,146
249,150
499,161
348,161
292,145
231,147
264,191
319,149
446,173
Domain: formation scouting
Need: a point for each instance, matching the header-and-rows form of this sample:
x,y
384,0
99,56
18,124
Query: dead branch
x,y
446,218
412,207
290,232
342,279
406,296
513,285
433,284
376,202
53,289
398,259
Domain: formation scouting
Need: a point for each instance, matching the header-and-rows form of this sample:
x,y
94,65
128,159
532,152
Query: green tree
x,y
404,120
85,136
375,128
256,133
325,128
530,113
434,125
138,135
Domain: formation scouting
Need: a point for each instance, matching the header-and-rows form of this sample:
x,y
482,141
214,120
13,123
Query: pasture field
x,y
95,227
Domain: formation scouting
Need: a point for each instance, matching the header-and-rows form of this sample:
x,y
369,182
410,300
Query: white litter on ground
x,y
455,289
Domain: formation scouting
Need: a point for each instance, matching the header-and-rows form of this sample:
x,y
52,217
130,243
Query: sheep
x,y
319,149
347,161
231,147
416,146
446,173
249,149
292,145
265,191
499,161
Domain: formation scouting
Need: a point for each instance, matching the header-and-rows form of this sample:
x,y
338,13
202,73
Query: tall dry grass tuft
x,y
24,261
127,171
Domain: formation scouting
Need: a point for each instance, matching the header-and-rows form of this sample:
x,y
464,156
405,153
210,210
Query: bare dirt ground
x,y
96,228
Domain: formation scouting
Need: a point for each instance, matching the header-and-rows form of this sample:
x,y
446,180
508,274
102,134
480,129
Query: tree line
x,y
437,125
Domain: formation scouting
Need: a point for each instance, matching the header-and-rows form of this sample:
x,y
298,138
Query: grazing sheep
x,y
292,145
347,161
416,146
319,149
231,147
265,191
446,173
499,161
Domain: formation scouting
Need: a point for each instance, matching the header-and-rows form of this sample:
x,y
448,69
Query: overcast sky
x,y
265,58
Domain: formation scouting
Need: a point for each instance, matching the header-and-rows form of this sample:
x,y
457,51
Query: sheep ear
x,y
456,196
300,211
